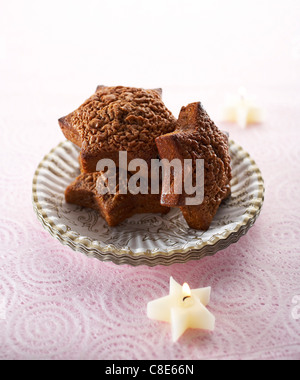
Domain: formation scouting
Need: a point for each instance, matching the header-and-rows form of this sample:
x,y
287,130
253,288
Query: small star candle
x,y
242,110
183,308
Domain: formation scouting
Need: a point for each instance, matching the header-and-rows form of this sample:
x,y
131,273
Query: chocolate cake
x,y
197,137
118,119
114,208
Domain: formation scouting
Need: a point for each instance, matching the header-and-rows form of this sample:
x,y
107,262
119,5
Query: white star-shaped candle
x,y
242,109
183,308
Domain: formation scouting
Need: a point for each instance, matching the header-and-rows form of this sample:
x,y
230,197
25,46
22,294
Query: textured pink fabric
x,y
58,304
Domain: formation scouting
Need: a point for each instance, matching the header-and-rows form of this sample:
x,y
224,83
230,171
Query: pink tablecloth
x,y
58,304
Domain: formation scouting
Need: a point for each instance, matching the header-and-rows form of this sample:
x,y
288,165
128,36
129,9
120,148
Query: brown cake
x,y
197,137
114,208
118,119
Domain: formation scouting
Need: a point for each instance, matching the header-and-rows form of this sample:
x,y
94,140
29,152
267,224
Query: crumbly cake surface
x,y
197,137
120,118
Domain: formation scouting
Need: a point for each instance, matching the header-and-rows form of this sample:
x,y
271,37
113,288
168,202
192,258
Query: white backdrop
x,y
162,42
54,53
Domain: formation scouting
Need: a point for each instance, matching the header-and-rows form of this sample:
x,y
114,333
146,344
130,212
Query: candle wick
x,y
186,298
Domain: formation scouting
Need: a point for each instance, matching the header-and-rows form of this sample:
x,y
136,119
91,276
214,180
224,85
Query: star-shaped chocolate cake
x,y
118,119
196,137
116,207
